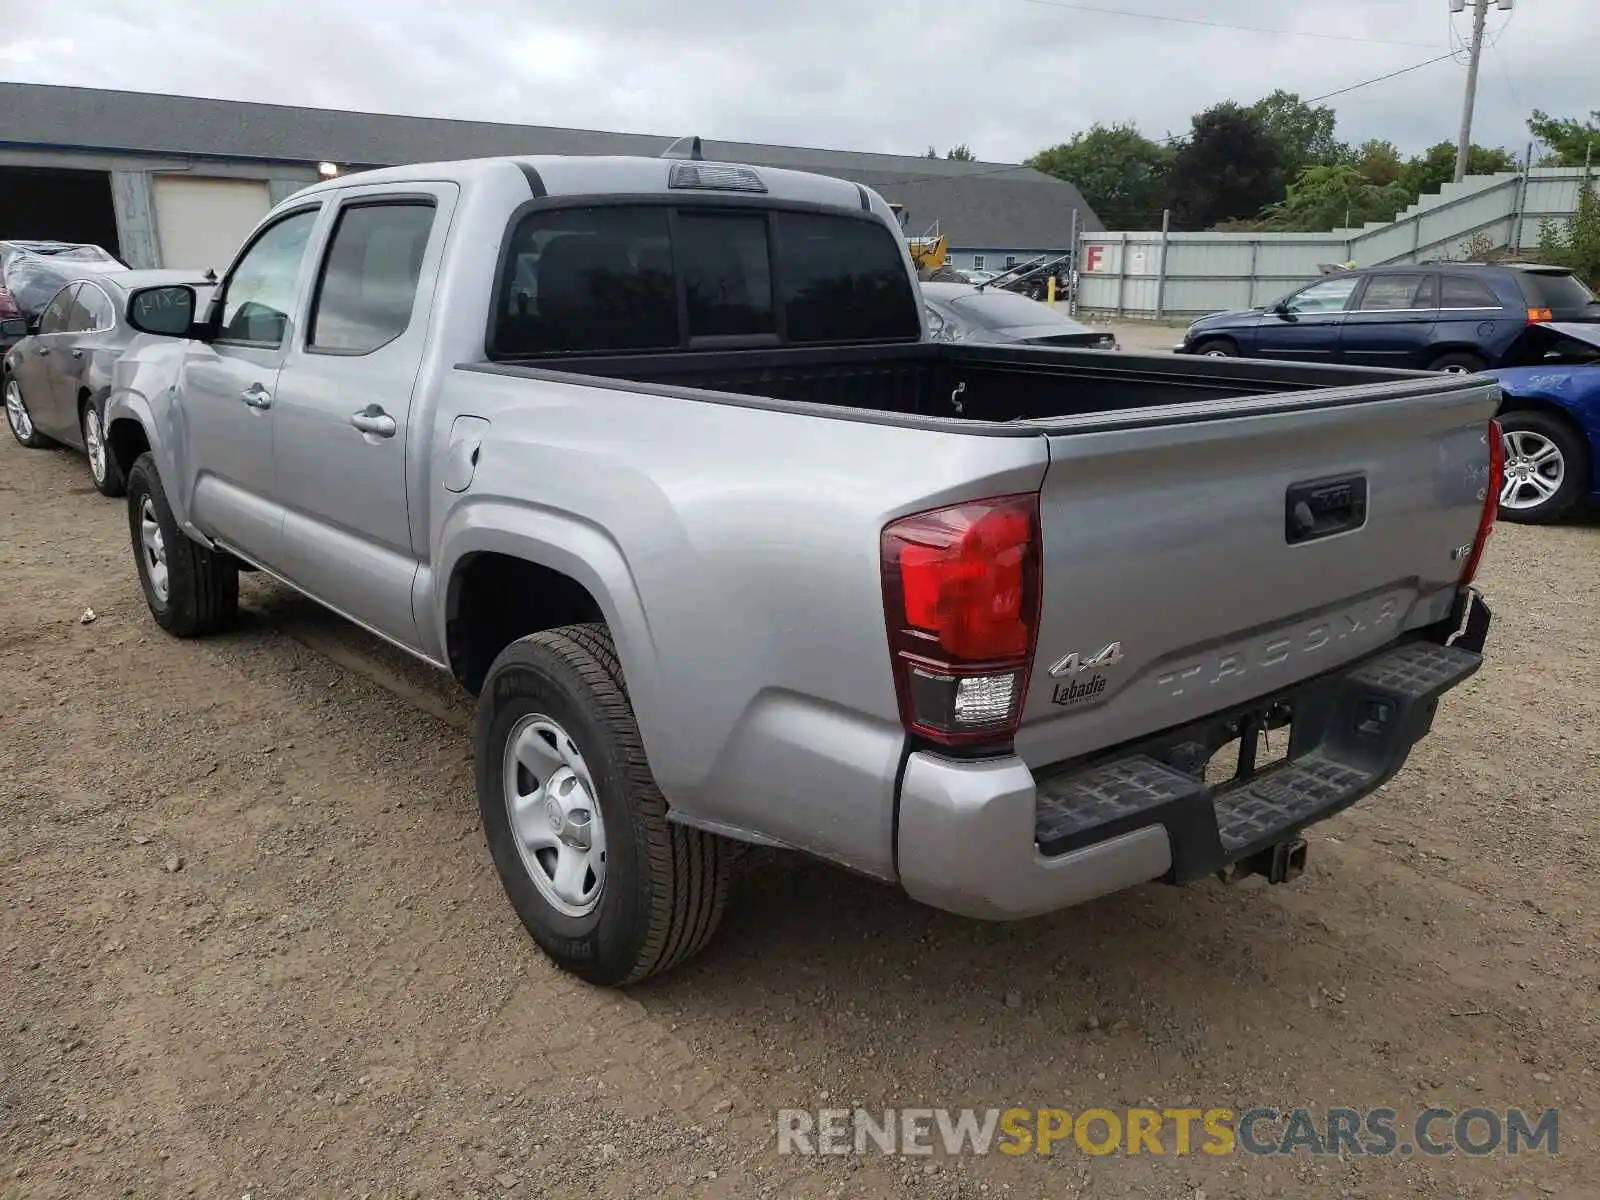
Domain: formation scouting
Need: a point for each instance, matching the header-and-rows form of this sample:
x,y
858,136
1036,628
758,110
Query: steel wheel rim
x,y
554,815
95,443
154,548
17,412
1535,469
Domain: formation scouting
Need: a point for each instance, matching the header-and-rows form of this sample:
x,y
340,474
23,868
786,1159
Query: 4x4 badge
x,y
1075,663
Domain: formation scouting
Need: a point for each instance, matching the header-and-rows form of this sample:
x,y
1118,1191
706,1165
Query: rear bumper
x,y
993,839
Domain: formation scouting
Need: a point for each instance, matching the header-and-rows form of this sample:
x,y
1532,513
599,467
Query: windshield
x,y
995,309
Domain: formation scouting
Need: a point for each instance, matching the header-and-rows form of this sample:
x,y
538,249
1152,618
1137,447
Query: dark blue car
x,y
1429,317
1550,423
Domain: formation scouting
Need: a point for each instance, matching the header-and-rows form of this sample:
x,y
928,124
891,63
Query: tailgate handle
x,y
1320,508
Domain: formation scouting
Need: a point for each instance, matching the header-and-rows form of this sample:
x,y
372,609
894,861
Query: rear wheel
x,y
1546,464
1217,348
191,591
1459,362
577,828
20,420
103,468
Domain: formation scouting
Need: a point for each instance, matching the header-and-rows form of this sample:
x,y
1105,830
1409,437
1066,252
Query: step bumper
x,y
994,840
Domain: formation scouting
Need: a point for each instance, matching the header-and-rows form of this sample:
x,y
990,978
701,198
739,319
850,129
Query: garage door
x,y
202,222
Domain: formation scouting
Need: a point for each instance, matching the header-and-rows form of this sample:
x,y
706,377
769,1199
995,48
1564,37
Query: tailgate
x,y
1198,556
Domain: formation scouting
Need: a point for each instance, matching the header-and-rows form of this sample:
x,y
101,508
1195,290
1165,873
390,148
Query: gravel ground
x,y
254,946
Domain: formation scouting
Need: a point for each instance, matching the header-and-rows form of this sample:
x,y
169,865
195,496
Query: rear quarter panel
x,y
735,553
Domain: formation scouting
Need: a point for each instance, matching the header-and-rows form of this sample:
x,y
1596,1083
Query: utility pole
x,y
1480,16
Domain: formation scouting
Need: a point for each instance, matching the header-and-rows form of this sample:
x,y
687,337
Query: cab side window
x,y
260,293
369,277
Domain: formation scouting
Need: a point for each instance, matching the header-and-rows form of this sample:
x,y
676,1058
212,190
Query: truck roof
x,y
597,175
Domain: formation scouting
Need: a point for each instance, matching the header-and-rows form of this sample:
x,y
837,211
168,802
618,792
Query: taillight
x,y
1539,316
1491,502
961,598
8,306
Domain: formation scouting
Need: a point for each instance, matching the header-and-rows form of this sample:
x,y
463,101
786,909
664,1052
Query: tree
x,y
1121,173
1436,167
1303,134
1572,143
1575,242
961,153
932,153
1379,162
1228,169
1337,196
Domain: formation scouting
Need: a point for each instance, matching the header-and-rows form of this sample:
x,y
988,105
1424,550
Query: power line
x,y
1144,16
1176,137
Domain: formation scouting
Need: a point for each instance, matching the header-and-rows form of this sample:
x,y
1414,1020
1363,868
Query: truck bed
x,y
943,381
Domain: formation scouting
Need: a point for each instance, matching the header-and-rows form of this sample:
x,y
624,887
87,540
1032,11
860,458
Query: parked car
x,y
1550,422
656,458
959,312
31,272
56,380
1462,317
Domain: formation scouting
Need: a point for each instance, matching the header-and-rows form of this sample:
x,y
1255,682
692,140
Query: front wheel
x,y
1217,348
606,885
1546,466
20,420
191,591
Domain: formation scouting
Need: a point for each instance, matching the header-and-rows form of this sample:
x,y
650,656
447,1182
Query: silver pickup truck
x,y
655,457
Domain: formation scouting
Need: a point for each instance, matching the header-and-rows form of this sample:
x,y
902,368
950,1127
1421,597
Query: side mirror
x,y
14,327
1279,308
167,310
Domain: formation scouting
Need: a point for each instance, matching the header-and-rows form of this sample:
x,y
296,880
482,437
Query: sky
x,y
1005,77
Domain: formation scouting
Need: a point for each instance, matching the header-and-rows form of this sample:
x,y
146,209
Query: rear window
x,y
999,309
1555,289
610,279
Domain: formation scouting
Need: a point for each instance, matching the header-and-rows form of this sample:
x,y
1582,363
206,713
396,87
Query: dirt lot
x,y
253,944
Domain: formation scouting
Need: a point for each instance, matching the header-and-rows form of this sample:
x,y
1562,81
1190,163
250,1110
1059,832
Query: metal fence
x,y
1156,274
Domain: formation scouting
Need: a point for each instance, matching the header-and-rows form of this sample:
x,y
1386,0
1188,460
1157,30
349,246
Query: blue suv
x,y
1430,317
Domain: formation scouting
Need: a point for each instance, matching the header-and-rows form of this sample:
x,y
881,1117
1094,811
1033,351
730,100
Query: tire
x,y
103,468
664,885
1459,362
199,590
1547,467
19,420
1216,348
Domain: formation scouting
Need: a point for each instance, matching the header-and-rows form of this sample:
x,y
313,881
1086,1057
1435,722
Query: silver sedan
x,y
56,379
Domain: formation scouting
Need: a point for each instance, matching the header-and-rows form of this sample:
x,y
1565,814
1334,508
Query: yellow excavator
x,y
929,249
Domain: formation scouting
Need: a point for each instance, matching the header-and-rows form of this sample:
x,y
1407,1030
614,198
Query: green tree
x,y
932,153
1302,133
1336,196
961,153
1121,173
1379,162
1575,242
1572,143
1228,169
1435,167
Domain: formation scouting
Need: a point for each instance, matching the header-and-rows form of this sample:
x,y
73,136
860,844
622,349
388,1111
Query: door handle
x,y
256,396
41,350
77,354
372,419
